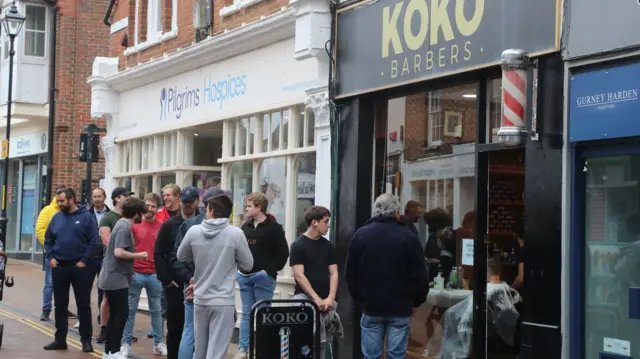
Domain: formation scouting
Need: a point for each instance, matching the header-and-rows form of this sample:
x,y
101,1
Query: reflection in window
x,y
146,186
266,131
243,133
495,109
241,180
306,128
125,182
166,179
275,130
306,191
205,180
232,137
273,177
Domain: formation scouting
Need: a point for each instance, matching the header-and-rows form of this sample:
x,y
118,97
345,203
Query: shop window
x,y
306,191
35,30
306,128
273,182
145,186
207,148
266,132
232,137
275,130
167,178
204,180
13,192
425,154
495,109
241,181
125,182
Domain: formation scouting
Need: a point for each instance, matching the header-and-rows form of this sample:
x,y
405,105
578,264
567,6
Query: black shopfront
x,y
418,94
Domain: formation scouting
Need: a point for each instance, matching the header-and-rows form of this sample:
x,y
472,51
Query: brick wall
x,y
186,32
81,37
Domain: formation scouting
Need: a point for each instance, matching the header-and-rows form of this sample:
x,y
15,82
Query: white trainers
x,y
125,350
160,349
118,355
77,325
240,354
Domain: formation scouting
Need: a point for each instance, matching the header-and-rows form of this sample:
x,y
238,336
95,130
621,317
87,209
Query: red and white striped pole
x,y
514,64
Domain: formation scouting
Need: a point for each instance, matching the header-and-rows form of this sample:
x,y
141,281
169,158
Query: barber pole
x,y
514,96
285,332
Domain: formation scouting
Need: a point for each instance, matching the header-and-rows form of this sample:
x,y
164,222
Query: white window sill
x,y
151,42
231,9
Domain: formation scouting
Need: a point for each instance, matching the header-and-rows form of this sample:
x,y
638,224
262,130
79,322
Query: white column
x,y
318,102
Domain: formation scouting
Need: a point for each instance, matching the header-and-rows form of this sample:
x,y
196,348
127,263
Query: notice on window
x,y
467,252
617,346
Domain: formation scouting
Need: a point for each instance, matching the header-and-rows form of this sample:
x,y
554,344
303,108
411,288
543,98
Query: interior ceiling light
x,y
469,95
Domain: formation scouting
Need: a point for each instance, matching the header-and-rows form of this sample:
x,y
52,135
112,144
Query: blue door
x,y
605,253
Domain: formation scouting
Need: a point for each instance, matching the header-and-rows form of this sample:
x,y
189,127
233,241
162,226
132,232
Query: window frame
x,y
26,31
154,18
435,114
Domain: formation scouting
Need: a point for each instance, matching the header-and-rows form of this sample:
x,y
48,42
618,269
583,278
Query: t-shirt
x,y
117,273
145,234
316,256
110,219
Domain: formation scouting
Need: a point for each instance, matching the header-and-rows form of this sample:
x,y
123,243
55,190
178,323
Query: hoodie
x,y
268,245
217,250
44,218
72,236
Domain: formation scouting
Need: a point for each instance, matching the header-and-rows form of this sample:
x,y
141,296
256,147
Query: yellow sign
x,y
5,148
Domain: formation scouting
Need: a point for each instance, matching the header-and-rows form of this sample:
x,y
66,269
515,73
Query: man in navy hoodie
x,y
386,274
71,242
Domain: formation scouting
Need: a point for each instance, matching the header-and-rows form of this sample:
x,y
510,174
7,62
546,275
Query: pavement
x,y
25,335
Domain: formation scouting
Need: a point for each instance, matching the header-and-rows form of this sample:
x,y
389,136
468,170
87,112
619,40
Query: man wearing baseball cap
x,y
186,271
108,221
174,283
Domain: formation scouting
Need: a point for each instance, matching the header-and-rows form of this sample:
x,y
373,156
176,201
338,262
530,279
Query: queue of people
x,y
193,259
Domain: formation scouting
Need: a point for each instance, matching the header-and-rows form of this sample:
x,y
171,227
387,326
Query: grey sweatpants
x,y
213,329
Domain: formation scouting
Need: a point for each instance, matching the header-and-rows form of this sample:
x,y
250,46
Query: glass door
x,y
611,262
29,205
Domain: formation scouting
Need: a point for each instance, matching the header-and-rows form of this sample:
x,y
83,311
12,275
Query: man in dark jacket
x,y
70,242
270,252
386,274
185,270
173,283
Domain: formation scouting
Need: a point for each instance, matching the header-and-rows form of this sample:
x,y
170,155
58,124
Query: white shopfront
x,y
215,114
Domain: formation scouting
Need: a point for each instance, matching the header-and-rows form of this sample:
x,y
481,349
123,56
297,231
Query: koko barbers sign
x,y
388,43
289,331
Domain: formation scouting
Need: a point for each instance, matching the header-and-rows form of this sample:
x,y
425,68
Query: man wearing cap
x,y
108,221
172,281
186,271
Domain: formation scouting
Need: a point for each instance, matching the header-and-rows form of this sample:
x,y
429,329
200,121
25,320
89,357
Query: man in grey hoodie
x,y
217,250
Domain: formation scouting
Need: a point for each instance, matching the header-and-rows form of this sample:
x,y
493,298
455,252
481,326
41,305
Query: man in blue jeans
x,y
270,252
386,274
186,271
144,276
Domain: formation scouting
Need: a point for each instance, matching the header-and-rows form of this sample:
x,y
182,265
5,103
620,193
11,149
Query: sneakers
x,y
241,354
45,316
125,350
77,325
160,349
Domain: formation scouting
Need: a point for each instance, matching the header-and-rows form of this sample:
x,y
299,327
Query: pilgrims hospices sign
x,y
387,43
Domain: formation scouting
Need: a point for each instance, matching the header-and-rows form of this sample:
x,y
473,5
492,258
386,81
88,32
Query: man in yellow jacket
x,y
41,228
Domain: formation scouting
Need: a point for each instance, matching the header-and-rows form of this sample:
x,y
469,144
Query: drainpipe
x,y
107,15
52,99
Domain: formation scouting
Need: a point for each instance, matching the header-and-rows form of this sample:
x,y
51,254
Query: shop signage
x,y
173,101
450,167
27,145
285,332
388,43
605,104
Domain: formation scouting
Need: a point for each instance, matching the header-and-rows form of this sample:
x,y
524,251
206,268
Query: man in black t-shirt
x,y
314,263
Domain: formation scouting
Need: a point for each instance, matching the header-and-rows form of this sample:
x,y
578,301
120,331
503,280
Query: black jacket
x,y
385,269
163,250
268,246
184,270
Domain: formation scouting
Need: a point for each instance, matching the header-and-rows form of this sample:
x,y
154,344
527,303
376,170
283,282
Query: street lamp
x,y
12,24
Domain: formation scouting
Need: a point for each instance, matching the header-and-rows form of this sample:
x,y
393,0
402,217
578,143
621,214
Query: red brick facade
x,y
81,37
186,32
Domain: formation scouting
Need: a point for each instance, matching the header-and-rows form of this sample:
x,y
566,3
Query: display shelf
x,y
506,204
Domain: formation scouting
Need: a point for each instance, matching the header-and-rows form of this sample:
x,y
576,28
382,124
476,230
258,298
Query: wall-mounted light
x,y
469,95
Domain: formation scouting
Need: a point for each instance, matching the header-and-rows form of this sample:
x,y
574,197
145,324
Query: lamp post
x,y
12,24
